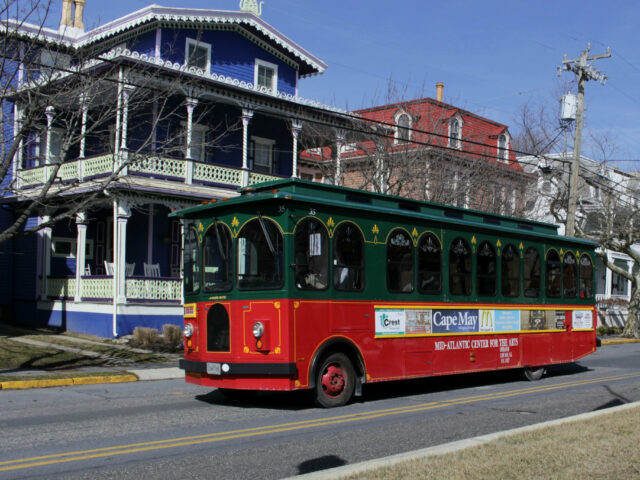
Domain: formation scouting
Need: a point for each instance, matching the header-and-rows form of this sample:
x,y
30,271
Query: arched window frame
x,y
586,277
311,265
455,132
459,250
569,275
348,274
402,132
191,241
400,270
504,142
507,264
429,280
553,274
253,268
486,279
225,236
532,283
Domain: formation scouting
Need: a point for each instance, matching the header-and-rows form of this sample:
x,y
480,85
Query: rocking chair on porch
x,y
151,269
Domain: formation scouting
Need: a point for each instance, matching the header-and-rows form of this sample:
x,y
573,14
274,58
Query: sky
x,y
492,56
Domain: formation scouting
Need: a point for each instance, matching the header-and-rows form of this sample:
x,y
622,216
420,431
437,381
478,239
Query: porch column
x,y
296,127
608,279
49,113
337,178
45,255
84,106
191,105
17,158
81,243
127,90
247,115
123,212
630,270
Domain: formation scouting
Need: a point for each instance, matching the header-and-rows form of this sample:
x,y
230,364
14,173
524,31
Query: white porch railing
x,y
173,169
100,288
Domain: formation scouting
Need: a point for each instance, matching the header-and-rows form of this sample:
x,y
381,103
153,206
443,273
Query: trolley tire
x,y
533,374
335,381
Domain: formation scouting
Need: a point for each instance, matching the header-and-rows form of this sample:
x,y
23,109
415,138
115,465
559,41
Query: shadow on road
x,y
300,400
320,463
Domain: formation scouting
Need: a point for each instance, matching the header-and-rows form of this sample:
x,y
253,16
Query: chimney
x,y
77,20
65,21
439,88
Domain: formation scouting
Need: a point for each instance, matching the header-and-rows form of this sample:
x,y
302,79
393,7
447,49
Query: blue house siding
x,y
144,44
6,266
25,253
232,55
263,126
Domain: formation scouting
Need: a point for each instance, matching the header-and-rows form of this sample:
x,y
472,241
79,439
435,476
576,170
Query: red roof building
x,y
424,149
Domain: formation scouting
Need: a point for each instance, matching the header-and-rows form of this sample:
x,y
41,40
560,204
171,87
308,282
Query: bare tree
x,y
61,103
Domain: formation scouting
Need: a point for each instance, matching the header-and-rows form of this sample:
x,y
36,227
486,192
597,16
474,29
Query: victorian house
x,y
161,109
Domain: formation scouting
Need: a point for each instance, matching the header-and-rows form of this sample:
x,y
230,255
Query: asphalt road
x,y
168,429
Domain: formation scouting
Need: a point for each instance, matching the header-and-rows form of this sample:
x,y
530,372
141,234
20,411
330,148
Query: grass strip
x,y
597,448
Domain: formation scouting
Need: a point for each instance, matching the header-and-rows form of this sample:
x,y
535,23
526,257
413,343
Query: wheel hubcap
x,y
333,381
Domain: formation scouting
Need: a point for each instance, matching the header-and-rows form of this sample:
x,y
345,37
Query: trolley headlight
x,y
188,330
258,329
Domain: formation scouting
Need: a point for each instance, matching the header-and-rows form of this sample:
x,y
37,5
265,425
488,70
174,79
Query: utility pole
x,y
585,72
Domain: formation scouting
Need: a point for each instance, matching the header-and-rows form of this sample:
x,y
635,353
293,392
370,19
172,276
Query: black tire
x,y
533,374
335,381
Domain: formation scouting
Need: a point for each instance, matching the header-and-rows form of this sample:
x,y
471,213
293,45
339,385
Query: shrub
x,y
146,337
172,335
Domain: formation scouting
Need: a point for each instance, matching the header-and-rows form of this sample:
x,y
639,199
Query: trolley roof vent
x,y
453,214
357,198
409,206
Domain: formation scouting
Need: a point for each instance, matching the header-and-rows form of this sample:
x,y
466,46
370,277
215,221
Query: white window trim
x,y
73,241
266,142
200,128
504,155
274,67
396,139
455,142
198,43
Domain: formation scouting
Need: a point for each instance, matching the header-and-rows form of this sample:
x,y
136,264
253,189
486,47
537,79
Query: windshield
x,y
260,256
217,254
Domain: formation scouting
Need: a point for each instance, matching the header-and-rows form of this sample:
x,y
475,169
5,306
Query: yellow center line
x,y
285,427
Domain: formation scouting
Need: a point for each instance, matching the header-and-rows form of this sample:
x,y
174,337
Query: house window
x,y
262,154
198,54
266,75
63,247
455,133
503,147
33,150
403,129
198,142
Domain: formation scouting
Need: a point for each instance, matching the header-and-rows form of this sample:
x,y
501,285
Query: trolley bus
x,y
300,285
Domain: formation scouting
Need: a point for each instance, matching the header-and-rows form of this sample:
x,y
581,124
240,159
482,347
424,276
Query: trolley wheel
x,y
335,381
533,374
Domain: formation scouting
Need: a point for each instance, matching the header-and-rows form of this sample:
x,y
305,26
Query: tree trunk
x,y
631,325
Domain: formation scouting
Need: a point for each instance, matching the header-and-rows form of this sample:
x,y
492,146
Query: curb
x,y
620,340
66,382
366,466
170,373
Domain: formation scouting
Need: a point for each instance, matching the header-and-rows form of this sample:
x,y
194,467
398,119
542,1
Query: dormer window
x,y
198,54
455,133
503,147
266,75
403,128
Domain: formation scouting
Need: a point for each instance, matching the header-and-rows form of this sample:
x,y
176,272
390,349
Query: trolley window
x,y
510,272
532,275
429,264
487,270
569,276
460,267
216,253
399,262
348,258
554,272
191,263
586,277
260,255
311,255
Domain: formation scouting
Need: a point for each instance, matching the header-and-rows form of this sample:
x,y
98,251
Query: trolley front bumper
x,y
239,369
